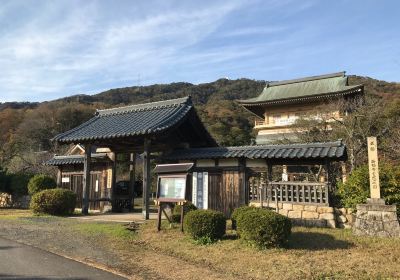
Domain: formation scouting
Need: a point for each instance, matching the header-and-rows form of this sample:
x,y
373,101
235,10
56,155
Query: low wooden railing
x,y
291,192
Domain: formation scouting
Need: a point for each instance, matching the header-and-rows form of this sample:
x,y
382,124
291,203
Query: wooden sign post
x,y
373,168
375,218
171,188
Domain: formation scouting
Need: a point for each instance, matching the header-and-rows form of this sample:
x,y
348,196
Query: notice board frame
x,y
161,202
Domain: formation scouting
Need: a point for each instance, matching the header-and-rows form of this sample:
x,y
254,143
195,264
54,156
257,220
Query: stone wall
x,y
377,220
10,201
313,215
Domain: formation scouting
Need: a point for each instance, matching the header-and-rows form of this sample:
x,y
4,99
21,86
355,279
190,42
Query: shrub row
x,y
14,183
54,202
261,227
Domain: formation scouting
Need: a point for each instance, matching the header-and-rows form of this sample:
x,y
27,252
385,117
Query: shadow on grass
x,y
20,277
230,236
316,241
6,247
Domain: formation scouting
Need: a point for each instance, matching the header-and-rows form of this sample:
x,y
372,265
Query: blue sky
x,y
50,49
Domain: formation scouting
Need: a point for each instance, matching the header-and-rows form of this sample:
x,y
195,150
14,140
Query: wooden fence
x,y
290,192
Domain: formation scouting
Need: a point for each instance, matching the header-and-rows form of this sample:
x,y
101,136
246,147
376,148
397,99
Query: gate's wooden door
x,y
95,191
233,195
215,192
76,187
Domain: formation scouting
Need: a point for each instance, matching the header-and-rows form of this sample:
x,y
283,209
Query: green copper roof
x,y
303,89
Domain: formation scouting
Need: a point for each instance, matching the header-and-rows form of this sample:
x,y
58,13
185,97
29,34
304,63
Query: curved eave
x,y
321,96
168,123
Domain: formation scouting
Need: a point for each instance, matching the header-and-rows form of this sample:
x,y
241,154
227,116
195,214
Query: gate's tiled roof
x,y
329,150
134,120
75,159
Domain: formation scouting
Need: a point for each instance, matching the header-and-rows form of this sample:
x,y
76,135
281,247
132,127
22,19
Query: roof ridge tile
x,y
144,106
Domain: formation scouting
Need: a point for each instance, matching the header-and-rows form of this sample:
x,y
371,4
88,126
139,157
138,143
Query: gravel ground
x,y
133,258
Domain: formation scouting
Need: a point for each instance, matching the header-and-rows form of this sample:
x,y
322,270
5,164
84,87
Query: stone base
x,y
376,219
375,201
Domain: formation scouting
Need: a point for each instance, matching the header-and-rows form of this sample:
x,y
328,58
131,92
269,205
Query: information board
x,y
172,188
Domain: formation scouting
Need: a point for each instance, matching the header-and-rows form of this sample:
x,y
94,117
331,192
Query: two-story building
x,y
280,104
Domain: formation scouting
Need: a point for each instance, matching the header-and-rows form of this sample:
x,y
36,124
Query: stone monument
x,y
375,218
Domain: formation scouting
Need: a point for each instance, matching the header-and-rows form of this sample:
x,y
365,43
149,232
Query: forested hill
x,y
27,128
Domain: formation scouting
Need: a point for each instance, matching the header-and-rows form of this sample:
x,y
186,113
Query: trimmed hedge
x,y
176,212
208,225
54,202
40,182
237,212
264,228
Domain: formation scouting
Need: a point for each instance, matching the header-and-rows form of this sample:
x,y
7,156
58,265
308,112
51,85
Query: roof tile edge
x,y
307,79
145,106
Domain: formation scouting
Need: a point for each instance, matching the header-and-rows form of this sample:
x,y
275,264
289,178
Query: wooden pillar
x,y
59,183
344,171
113,183
132,179
146,178
103,189
329,179
86,179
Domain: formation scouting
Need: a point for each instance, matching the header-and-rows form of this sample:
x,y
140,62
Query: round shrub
x,y
54,202
239,211
40,182
206,225
264,228
176,212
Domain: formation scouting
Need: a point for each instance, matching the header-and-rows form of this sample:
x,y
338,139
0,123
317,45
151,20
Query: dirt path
x,y
135,258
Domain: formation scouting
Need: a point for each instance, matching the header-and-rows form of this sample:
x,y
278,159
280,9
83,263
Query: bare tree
x,y
351,120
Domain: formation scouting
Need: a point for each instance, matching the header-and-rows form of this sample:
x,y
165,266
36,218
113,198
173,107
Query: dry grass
x,y
312,253
13,214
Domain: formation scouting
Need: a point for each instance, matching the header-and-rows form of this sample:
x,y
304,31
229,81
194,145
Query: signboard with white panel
x,y
200,190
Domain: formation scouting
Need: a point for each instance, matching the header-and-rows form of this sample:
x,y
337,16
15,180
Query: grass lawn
x,y
312,253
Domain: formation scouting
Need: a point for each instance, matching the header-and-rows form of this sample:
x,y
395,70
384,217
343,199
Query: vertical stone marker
x,y
373,168
375,218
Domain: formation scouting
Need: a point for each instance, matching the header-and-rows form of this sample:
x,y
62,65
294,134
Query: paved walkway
x,y
22,262
116,217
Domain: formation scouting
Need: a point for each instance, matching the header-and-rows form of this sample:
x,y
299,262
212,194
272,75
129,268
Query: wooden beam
x,y
59,177
146,179
86,179
132,179
113,182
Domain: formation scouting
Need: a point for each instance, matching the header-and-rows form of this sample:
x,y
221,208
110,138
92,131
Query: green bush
x,y
205,225
356,190
4,181
239,211
54,202
40,182
176,212
264,228
18,183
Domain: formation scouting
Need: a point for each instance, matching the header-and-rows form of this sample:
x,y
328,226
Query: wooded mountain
x,y
26,128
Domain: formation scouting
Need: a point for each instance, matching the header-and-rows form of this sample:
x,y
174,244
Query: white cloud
x,y
61,46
